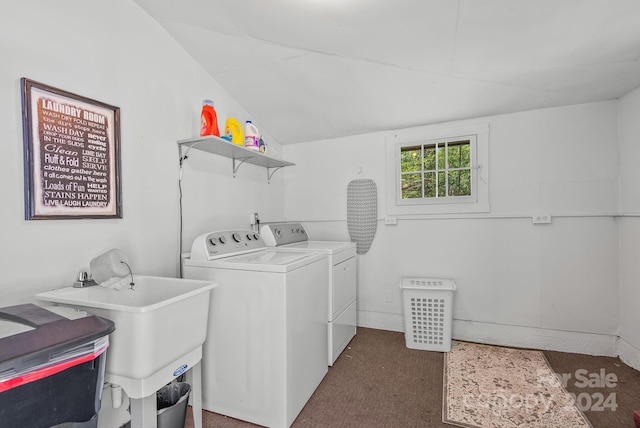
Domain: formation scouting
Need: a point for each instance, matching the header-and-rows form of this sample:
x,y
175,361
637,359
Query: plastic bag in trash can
x,y
170,394
171,401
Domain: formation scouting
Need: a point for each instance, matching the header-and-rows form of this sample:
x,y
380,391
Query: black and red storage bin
x,y
51,367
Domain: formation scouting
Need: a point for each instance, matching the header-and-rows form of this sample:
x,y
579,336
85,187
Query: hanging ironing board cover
x,y
362,212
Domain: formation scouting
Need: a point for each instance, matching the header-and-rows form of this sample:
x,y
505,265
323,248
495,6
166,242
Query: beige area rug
x,y
492,386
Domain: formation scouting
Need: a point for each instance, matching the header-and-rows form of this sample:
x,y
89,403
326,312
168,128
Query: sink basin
x,y
160,327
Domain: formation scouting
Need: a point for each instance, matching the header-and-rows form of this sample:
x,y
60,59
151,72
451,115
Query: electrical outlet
x,y
541,218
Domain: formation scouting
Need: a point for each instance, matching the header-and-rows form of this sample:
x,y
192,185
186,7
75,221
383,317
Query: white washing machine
x,y
266,345
342,279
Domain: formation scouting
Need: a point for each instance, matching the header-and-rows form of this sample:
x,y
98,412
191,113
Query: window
x,y
438,171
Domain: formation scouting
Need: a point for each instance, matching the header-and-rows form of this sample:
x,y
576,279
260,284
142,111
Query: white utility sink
x,y
161,325
158,321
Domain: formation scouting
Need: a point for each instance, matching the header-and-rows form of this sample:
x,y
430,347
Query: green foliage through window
x,y
436,169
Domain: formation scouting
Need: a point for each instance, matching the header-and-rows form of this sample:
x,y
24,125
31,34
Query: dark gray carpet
x,y
378,382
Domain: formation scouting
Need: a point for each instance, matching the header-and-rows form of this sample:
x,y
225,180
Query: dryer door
x,y
343,286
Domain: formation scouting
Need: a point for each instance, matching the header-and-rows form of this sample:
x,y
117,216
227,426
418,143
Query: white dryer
x,y
342,279
266,345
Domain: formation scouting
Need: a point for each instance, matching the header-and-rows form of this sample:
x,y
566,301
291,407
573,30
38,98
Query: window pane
x,y
411,186
410,159
460,183
429,184
459,154
441,156
430,157
442,184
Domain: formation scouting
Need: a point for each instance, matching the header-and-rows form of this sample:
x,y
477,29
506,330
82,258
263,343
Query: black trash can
x,y
171,401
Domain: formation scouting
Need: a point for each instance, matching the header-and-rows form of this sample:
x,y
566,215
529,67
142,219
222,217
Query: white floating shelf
x,y
240,155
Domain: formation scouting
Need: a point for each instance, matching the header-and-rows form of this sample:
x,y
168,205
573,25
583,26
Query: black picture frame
x,y
71,155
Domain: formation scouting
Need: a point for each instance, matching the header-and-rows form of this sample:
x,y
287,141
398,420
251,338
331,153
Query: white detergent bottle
x,y
251,136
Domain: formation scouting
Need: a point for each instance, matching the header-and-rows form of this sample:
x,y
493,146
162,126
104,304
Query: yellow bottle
x,y
233,132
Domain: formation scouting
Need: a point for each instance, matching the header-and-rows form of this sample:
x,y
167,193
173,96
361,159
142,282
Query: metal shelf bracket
x,y
237,166
271,171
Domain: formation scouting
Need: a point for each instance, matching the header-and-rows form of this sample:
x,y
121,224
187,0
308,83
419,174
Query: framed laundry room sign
x,y
71,155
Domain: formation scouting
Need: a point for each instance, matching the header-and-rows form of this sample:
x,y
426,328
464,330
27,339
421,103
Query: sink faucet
x,y
84,281
131,284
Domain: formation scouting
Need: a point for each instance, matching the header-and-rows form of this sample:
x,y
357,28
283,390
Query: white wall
x,y
629,228
115,53
552,286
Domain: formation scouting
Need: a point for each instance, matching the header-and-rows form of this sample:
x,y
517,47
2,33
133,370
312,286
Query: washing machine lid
x,y
268,260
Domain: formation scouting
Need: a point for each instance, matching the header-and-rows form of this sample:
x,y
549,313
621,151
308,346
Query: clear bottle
x,y
208,120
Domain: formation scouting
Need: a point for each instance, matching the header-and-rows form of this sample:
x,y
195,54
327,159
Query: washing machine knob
x,y
256,236
236,237
222,240
212,241
277,232
249,236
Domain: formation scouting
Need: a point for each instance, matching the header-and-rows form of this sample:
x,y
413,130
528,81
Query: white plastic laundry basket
x,y
428,313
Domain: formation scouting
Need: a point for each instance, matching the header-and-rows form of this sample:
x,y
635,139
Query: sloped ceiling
x,y
315,69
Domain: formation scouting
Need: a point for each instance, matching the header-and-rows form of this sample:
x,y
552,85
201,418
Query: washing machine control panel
x,y
212,245
276,234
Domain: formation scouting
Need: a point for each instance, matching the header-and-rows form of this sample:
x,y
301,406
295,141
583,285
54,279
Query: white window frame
x,y
478,202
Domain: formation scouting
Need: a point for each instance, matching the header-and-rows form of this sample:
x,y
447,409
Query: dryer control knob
x,y
212,242
236,237
256,236
222,240
249,236
277,232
